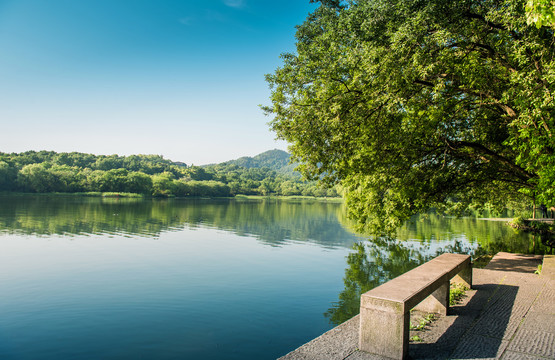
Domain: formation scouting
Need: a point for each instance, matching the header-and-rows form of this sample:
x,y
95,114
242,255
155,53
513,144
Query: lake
x,y
109,278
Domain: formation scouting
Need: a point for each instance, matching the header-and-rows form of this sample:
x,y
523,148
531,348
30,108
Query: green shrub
x,y
518,221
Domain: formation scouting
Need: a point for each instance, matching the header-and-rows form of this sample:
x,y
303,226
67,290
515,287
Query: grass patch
x,y
538,270
121,194
292,197
456,293
423,322
80,194
415,338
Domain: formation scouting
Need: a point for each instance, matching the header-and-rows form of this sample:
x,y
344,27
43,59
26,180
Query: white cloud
x,y
235,3
186,20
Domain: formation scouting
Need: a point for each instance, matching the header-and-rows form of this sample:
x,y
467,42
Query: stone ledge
x,y
337,343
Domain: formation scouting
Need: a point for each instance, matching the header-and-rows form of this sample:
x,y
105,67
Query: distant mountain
x,y
277,160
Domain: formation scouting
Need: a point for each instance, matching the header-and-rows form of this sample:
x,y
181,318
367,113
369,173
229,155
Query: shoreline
x,y
141,196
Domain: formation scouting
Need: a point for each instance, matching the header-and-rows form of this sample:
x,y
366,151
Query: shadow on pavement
x,y
480,330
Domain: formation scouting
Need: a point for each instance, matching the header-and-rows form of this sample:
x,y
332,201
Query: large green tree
x,y
411,104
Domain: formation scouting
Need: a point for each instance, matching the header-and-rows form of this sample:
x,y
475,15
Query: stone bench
x,y
385,310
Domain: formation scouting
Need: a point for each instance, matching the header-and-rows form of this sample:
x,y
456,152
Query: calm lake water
x,y
92,278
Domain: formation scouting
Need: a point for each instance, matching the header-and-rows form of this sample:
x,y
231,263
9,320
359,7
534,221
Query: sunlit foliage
x,y
412,105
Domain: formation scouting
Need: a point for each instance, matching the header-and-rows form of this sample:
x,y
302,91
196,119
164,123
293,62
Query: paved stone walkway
x,y
509,314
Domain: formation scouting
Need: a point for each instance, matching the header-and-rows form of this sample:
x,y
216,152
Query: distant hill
x,y
277,160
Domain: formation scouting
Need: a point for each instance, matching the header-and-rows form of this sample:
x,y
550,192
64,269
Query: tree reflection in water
x,y
376,261
369,265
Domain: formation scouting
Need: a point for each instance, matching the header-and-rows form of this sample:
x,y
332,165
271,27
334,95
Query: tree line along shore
x,y
267,174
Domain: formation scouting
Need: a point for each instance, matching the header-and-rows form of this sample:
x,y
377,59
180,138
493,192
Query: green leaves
x,y
540,12
410,104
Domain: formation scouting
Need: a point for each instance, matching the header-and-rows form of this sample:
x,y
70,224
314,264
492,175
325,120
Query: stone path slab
x,y
515,262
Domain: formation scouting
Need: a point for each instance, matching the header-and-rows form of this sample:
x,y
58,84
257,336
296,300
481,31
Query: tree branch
x,y
470,15
491,155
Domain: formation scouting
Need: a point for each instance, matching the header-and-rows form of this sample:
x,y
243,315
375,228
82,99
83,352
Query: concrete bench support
x,y
385,310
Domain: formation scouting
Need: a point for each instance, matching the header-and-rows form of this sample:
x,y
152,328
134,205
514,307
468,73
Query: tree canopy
x,y
540,12
413,104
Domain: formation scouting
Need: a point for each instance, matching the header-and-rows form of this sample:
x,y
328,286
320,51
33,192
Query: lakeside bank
x,y
509,314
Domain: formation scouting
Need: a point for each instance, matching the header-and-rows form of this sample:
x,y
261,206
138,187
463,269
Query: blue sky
x,y
178,78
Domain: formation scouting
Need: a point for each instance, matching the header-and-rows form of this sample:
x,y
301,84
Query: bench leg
x,y
384,328
437,302
464,277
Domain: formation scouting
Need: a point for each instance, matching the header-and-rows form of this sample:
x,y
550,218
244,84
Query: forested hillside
x,y
151,175
277,160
